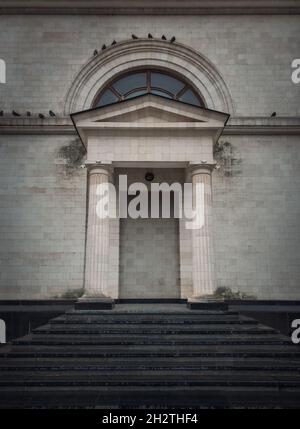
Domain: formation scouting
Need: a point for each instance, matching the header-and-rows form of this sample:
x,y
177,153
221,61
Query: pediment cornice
x,y
148,112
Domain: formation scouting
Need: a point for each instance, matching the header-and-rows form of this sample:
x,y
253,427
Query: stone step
x,y
150,364
95,320
152,378
99,329
151,313
200,397
95,351
103,358
157,340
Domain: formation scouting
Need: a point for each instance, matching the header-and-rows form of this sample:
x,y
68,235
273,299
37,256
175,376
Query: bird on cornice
x,y
113,43
150,36
134,36
95,52
41,116
173,39
163,37
103,47
51,113
15,113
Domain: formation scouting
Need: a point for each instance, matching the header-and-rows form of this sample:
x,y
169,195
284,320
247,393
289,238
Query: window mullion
x,y
117,94
181,92
149,81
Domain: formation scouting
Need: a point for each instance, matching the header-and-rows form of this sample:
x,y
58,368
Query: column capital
x,y
100,168
201,168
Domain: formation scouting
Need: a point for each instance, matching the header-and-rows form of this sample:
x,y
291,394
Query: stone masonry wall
x,y
43,204
42,219
252,53
256,208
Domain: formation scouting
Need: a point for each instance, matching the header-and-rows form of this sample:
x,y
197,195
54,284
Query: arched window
x,y
143,82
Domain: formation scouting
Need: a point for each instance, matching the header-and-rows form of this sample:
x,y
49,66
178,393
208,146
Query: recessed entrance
x,y
176,141
149,249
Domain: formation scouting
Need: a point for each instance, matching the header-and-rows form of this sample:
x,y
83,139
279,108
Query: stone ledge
x,y
235,126
207,304
94,304
151,7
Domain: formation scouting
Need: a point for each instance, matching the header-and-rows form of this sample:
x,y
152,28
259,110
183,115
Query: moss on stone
x,y
72,294
73,153
226,293
225,155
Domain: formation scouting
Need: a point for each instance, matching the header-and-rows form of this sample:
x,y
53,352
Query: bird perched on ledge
x,y
163,37
150,36
52,113
113,43
15,113
173,39
95,52
134,36
41,116
103,47
273,115
1,113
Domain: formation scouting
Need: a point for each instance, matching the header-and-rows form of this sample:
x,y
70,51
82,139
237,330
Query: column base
x,y
207,303
94,303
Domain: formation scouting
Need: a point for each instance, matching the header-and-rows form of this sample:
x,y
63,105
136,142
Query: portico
x,y
149,133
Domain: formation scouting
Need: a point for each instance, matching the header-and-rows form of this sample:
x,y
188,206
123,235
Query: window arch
x,y
141,82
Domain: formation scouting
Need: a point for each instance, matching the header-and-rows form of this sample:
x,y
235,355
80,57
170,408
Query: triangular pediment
x,y
148,111
148,114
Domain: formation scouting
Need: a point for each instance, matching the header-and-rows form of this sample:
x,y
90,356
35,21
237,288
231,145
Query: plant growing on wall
x,y
73,154
225,155
226,293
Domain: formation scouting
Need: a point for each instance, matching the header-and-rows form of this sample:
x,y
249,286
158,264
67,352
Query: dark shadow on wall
x,y
21,317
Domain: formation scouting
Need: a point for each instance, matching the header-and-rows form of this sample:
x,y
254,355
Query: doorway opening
x,y
149,247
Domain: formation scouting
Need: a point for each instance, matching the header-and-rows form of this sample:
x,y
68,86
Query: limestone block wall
x,y
252,53
151,145
42,218
256,209
256,206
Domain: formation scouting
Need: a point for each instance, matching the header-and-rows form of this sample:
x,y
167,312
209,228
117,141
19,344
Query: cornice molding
x,y
260,130
150,7
236,126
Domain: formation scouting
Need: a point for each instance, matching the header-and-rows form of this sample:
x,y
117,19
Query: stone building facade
x,y
238,61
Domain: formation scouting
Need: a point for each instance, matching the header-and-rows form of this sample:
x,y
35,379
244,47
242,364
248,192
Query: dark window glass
x,y
161,93
148,82
107,98
160,80
127,83
190,97
136,93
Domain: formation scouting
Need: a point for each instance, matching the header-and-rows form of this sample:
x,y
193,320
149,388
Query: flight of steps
x,y
138,356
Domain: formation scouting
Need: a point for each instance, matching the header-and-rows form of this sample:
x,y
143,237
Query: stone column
x,y
97,238
202,246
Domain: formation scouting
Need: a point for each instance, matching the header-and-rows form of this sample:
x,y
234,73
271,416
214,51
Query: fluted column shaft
x,y
97,239
202,242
